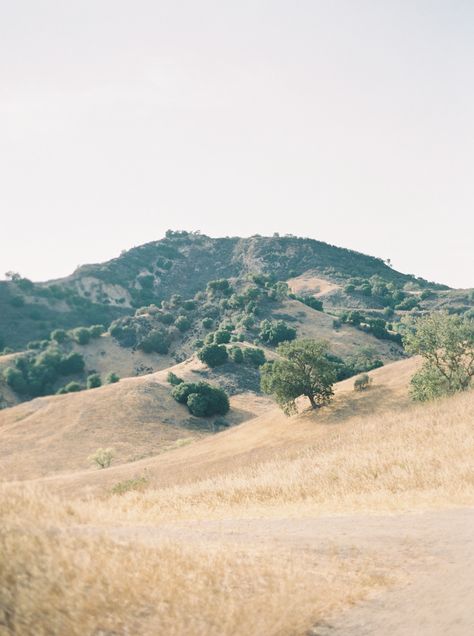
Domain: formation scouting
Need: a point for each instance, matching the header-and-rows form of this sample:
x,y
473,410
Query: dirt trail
x,y
434,551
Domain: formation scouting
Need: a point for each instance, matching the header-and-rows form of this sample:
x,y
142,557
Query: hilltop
x,y
183,263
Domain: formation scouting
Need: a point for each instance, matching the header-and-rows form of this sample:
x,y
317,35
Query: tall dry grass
x,y
62,572
57,579
421,455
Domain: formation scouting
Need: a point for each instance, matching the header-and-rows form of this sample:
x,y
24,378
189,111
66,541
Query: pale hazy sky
x,y
347,121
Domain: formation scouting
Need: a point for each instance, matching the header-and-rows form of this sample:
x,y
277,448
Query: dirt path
x,y
435,550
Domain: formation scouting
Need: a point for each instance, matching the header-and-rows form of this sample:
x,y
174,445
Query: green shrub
x,y
275,332
222,337
81,335
253,357
173,379
15,380
157,341
73,387
96,331
220,286
183,323
112,378
127,485
166,318
72,363
94,381
236,355
102,457
311,301
202,399
59,335
207,323
213,355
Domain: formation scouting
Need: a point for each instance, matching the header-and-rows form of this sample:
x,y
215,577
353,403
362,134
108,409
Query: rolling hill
x,y
184,263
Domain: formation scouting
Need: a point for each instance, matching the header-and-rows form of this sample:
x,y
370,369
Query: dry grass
x,y
419,456
56,580
308,284
66,570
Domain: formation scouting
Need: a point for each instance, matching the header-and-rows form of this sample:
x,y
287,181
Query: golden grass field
x,y
78,559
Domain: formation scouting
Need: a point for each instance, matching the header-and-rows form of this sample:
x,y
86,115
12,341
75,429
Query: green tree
x,y
304,369
446,344
112,378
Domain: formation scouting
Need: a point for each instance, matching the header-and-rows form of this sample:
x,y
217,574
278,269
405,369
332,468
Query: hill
x,y
183,263
237,523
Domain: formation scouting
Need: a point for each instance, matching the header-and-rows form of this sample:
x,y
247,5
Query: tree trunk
x,y
313,402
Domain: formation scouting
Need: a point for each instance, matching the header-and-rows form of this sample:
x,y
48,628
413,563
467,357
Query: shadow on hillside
x,y
211,424
377,399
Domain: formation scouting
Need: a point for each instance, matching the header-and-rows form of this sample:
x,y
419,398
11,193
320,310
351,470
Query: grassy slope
x,y
136,417
367,451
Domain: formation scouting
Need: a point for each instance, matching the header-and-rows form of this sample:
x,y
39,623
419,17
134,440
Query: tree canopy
x,y
446,344
304,369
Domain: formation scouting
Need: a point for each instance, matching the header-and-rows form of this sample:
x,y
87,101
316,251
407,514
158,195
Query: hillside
x,y
136,417
183,263
237,523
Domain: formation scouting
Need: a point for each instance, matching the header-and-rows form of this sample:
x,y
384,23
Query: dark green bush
x,y
207,323
96,331
157,341
72,363
73,387
222,337
275,332
173,379
81,335
213,355
253,356
166,318
59,335
236,355
220,286
202,399
94,381
112,378
183,323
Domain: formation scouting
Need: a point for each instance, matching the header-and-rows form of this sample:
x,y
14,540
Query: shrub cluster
x,y
274,332
201,398
36,375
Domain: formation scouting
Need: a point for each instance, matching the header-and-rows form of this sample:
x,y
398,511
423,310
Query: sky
x,y
348,122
